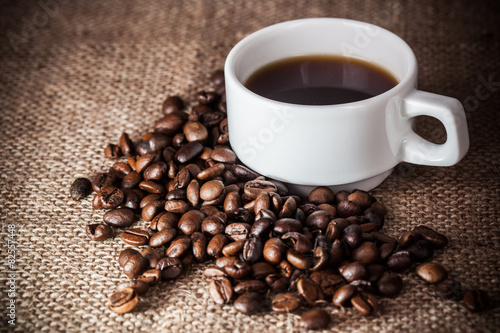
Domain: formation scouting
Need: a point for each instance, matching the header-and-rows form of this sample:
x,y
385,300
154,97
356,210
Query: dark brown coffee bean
x,y
299,260
223,154
177,206
249,303
191,221
289,208
211,172
126,145
365,303
99,232
249,286
112,151
188,152
389,285
162,237
343,295
170,268
362,199
282,226
374,216
179,246
135,265
286,302
367,253
476,300
171,104
176,194
450,289
151,187
214,272
375,272
431,272
276,282
213,225
131,180
237,231
123,301
152,143
171,123
148,199
103,179
244,173
315,319
274,250
400,261
318,220
321,195
261,226
80,188
354,271
298,242
125,255
217,77
216,244
310,291
164,220
328,280
211,190
348,208
152,209
254,187
321,258
195,131
151,256
233,248
334,229
434,237
261,269
200,243
144,161
119,217
156,171
220,290
139,286
421,250
407,238
111,197
252,249
386,250
151,276
135,236
351,235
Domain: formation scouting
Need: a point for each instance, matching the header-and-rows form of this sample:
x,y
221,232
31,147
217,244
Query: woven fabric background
x,y
75,74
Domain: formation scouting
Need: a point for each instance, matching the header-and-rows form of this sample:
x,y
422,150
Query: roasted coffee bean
x,y
207,97
400,261
151,187
119,217
261,226
282,226
389,285
238,269
431,272
363,286
386,249
366,253
216,244
121,169
299,260
336,252
151,276
223,154
214,272
170,267
123,301
435,238
135,237
80,188
249,303
249,286
125,255
274,250
362,199
276,282
126,145
245,174
261,269
351,235
224,261
310,291
151,256
407,238
176,194
335,228
354,271
200,243
189,151
365,303
373,215
164,220
131,180
341,196
421,250
112,151
152,209
261,202
254,187
476,300
286,302
450,289
252,249
213,225
111,197
152,143
328,280
237,231
289,208
321,195
171,123
134,265
285,268
375,272
139,286
318,220
320,258
177,206
99,232
103,179
190,222
211,190
148,199
171,104
162,237
343,295
315,319
233,248
144,161
348,208
195,131
220,290
156,171
298,242
179,246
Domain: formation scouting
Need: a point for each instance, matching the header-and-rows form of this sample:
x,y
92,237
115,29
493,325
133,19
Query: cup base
x,y
365,184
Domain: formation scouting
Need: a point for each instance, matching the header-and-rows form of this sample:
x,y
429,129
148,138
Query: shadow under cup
x,y
343,146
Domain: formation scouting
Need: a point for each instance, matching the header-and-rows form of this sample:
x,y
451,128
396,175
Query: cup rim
x,y
230,63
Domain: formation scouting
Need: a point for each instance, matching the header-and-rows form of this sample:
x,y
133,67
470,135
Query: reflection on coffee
x,y
320,80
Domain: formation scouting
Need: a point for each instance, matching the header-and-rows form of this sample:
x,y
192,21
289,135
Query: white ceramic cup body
x,y
351,145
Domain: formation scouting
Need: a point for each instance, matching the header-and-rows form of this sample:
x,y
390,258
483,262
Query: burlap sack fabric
x,y
74,75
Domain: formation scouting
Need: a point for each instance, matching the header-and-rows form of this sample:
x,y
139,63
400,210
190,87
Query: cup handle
x,y
450,113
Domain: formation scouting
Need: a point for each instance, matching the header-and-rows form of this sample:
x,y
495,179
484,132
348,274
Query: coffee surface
x,y
320,80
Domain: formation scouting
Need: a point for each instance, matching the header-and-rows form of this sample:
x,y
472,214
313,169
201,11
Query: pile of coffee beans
x,y
270,249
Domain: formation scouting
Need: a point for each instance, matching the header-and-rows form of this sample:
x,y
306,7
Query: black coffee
x,y
320,80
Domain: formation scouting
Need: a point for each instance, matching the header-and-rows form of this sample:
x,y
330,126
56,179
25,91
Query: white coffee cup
x,y
343,146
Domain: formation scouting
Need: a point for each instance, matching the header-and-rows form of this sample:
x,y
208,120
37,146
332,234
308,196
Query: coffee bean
x,y
252,249
223,154
151,187
276,282
476,300
343,295
188,152
407,238
274,250
282,226
119,217
151,256
254,187
164,220
80,188
162,237
139,286
354,271
134,265
450,289
366,253
400,261
220,290
431,272
328,280
177,206
151,276
179,246
318,220
195,132
261,269
190,222
171,123
351,235
315,319
365,303
249,303
373,215
110,196
125,255
126,145
348,208
435,238
298,242
310,291
172,104
250,285
135,236
214,272
112,151
170,268
286,303
216,244
200,243
123,301
238,269
390,285
233,248
421,250
144,161
99,232
321,195
211,190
